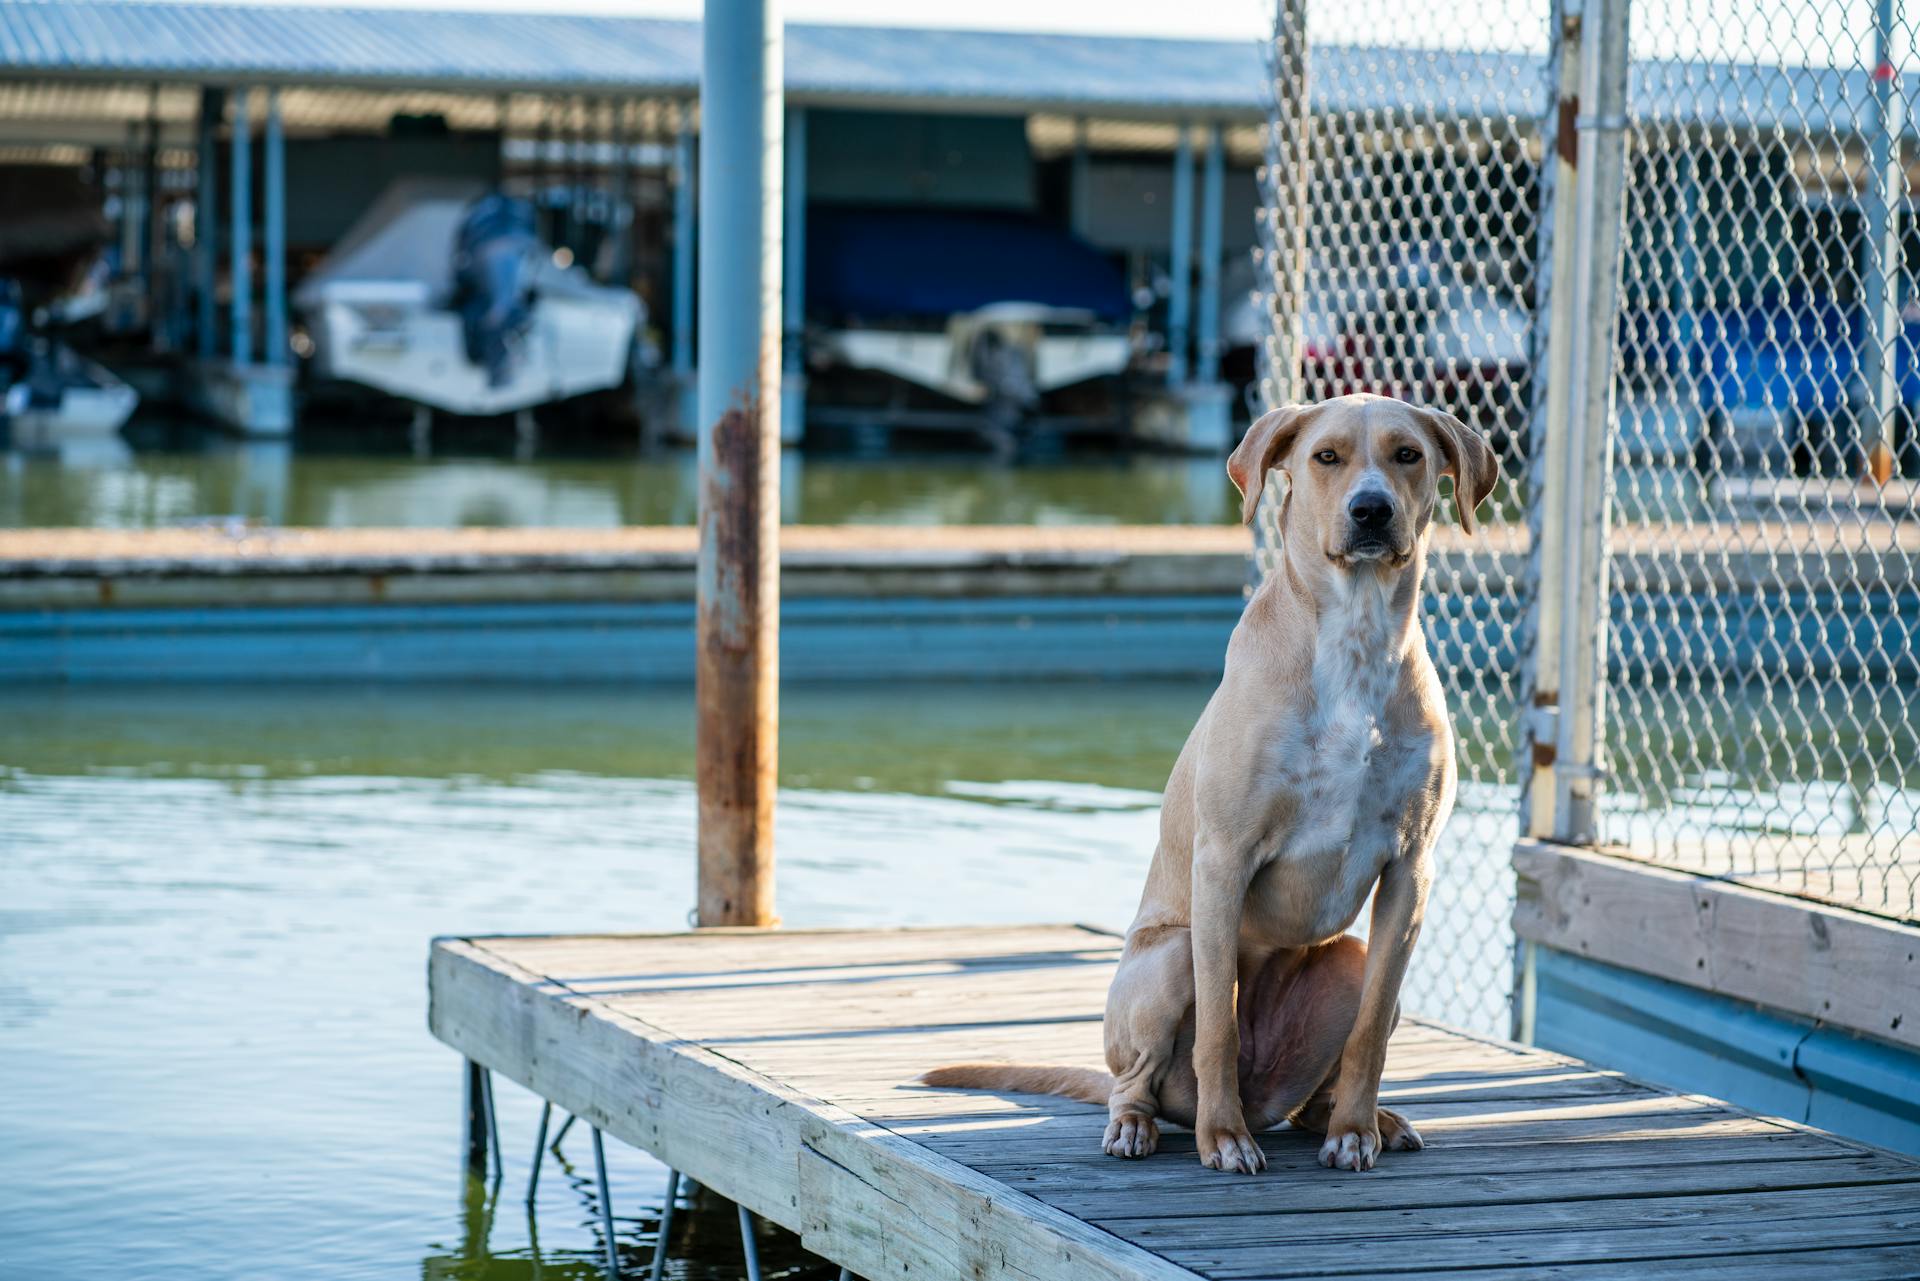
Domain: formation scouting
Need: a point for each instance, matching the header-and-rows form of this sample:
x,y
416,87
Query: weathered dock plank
x,y
779,1069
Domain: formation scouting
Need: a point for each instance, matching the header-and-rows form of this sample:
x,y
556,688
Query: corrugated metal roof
x,y
895,67
591,53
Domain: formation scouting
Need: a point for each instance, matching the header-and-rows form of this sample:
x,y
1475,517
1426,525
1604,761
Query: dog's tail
x,y
1085,1084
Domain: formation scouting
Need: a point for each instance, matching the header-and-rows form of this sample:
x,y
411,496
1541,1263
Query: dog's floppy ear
x,y
1265,444
1470,461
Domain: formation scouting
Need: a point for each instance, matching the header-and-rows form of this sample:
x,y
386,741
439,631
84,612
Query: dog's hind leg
x,y
1296,1011
1316,1112
1149,1018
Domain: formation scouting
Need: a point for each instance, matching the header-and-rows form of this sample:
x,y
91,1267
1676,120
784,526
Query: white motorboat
x,y
440,295
66,398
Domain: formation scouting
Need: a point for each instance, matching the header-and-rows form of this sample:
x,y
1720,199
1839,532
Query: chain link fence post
x,y
1282,239
1600,128
1552,355
1886,189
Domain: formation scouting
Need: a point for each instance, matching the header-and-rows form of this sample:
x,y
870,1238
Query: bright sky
x,y
1208,20
1833,32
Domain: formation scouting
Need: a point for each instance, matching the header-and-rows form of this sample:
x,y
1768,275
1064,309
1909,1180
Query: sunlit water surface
x,y
215,908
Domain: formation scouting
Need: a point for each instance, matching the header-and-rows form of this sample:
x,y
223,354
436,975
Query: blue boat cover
x,y
932,263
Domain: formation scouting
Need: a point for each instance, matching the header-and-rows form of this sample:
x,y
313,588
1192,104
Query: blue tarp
x,y
932,263
1799,356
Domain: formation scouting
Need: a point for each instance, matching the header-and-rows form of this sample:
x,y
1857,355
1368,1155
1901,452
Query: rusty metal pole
x,y
738,629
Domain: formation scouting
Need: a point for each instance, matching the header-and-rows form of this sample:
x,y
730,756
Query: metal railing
x,y
1660,256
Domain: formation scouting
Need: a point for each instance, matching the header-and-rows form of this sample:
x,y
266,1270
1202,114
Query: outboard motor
x,y
493,260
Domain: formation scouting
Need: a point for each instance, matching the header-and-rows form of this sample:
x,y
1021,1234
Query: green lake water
x,y
215,908
161,474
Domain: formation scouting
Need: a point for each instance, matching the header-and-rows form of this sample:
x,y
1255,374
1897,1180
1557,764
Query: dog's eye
x,y
1407,454
1326,457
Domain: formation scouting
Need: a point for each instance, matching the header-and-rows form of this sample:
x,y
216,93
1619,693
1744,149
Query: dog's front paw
x,y
1131,1135
1230,1148
1350,1147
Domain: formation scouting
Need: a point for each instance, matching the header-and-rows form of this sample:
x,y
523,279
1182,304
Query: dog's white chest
x,y
1329,764
1329,781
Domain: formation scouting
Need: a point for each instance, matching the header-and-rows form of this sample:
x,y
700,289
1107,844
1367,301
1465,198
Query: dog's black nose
x,y
1370,511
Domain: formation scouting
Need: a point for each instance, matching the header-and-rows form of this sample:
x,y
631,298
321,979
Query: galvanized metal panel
x,y
1686,1039
821,640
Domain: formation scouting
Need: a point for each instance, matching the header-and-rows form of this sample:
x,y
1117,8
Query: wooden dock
x,y
778,1068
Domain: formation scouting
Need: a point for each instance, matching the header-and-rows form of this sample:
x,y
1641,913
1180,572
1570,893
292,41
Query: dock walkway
x,y
778,1068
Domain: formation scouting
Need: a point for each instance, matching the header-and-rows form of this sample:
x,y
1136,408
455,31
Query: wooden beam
x,y
1841,968
806,1164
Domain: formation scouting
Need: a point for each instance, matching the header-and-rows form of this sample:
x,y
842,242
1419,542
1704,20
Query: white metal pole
x,y
1556,296
1599,189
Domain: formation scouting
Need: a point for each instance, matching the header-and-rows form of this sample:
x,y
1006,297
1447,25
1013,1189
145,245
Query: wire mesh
x,y
1761,697
1759,688
1405,204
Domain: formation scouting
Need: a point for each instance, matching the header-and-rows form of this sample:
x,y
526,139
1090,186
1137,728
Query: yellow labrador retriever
x,y
1321,770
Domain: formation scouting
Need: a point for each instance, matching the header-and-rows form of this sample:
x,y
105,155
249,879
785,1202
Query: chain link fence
x,y
1751,702
1415,275
1762,706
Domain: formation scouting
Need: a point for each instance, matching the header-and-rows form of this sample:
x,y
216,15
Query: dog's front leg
x,y
1353,1131
1221,875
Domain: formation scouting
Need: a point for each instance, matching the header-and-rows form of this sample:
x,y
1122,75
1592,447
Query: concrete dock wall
x,y
242,604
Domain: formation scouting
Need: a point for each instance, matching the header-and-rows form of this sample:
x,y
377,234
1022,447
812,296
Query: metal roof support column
x,y
133,218
738,582
274,232
793,379
154,232
1080,192
619,216
684,254
683,244
240,267
1180,260
206,221
1212,220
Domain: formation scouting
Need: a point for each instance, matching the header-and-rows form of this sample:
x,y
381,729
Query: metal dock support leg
x,y
747,1247
606,1205
561,1137
539,1152
476,1126
666,1226
493,1128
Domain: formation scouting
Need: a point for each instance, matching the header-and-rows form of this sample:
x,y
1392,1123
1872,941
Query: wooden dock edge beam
x,y
858,1194
1837,967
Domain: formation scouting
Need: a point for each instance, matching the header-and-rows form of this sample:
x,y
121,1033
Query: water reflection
x,y
171,475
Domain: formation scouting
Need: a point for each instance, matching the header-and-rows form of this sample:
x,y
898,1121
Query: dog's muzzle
x,y
1370,526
